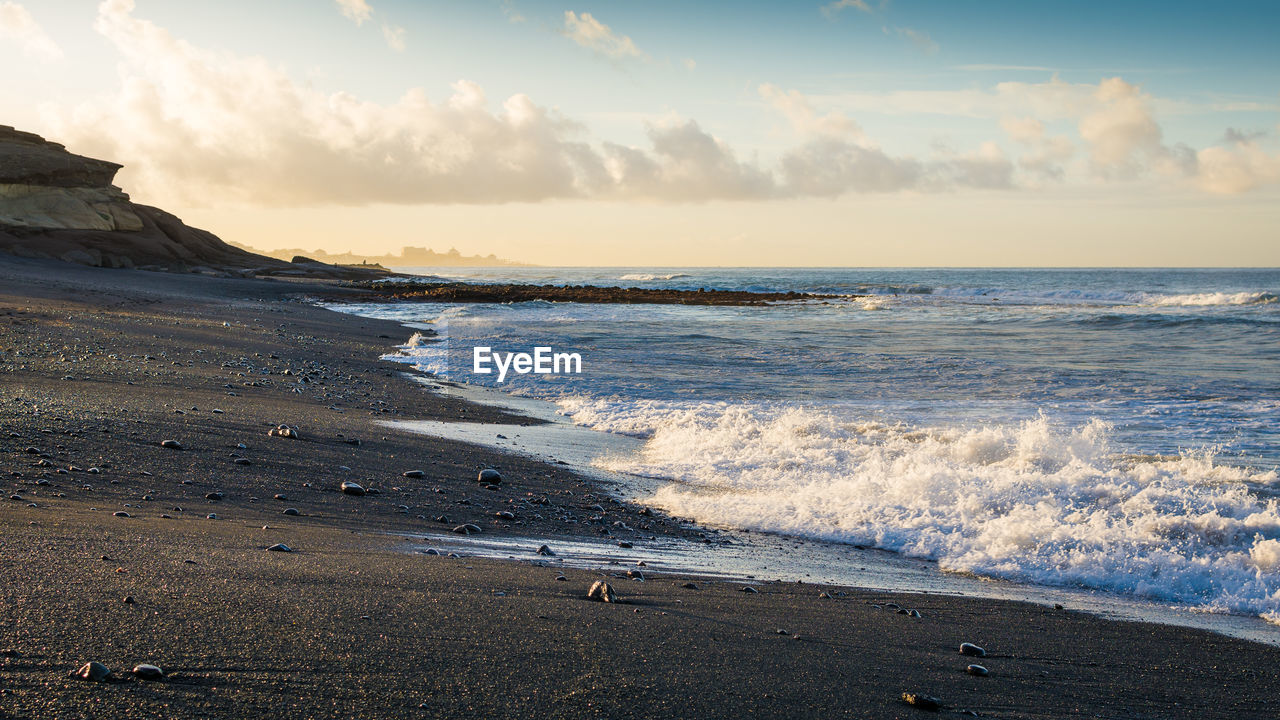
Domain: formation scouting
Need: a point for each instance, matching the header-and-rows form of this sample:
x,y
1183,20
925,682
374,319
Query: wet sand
x,y
352,624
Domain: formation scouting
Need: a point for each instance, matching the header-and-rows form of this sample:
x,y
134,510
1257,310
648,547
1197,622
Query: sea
x,y
1115,431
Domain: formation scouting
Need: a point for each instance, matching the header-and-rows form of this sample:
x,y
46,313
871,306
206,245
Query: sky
x,y
629,132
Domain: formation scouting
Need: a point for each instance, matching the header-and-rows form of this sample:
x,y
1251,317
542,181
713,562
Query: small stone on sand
x,y
489,476
922,701
972,650
94,672
290,511
148,672
976,670
546,550
413,473
280,547
350,488
603,592
171,444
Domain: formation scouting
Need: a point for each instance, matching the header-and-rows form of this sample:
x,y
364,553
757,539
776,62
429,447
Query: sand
x,y
352,624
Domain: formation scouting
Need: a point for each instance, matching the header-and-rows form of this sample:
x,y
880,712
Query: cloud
x,y
202,127
834,8
16,24
198,127
798,110
685,164
357,11
1121,131
980,67
919,38
1044,156
394,36
836,158
1241,167
598,37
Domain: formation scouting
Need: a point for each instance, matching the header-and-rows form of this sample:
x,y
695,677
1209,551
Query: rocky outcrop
x,y
44,186
57,205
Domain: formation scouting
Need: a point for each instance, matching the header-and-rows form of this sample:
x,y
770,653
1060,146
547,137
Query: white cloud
x,y
837,157
199,127
357,11
685,164
919,38
800,113
1045,155
834,8
16,24
1121,130
1237,168
394,36
594,35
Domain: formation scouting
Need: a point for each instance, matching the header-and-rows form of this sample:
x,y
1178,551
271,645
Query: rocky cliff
x,y
58,205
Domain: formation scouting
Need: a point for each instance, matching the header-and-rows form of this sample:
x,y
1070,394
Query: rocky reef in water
x,y
57,205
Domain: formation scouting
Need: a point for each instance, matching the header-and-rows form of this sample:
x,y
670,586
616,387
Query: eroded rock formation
x,y
57,205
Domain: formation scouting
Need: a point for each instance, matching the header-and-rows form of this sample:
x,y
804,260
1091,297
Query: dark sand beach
x,y
98,367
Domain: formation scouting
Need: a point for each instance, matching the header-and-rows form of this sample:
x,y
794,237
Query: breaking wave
x,y
1029,502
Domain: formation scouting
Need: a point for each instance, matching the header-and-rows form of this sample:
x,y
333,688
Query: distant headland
x,y
408,257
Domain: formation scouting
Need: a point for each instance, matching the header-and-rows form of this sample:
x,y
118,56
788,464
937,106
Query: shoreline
x,y
340,627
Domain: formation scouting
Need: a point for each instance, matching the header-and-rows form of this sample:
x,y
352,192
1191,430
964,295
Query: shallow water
x,y
1110,430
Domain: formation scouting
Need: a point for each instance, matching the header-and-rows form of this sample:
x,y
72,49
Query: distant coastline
x,y
408,257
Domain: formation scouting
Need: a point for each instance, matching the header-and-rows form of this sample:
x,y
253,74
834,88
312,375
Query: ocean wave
x,y
1028,502
645,277
1102,297
1213,298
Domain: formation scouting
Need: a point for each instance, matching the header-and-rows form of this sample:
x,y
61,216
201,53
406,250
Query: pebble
x,y
748,589
283,431
922,701
94,672
128,600
505,515
545,550
972,650
603,592
148,672
689,586
350,488
215,496
976,670
413,473
211,516
171,444
121,513
431,551
243,461
489,476
467,529
624,544
290,511
280,547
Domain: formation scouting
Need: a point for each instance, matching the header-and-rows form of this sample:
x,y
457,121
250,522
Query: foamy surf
x,y
1028,502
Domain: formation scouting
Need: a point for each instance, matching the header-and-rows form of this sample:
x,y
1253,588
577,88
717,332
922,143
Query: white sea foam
x,y
1102,297
1028,502
645,277
1213,298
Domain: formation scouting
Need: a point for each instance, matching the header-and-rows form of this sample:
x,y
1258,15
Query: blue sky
x,y
673,116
